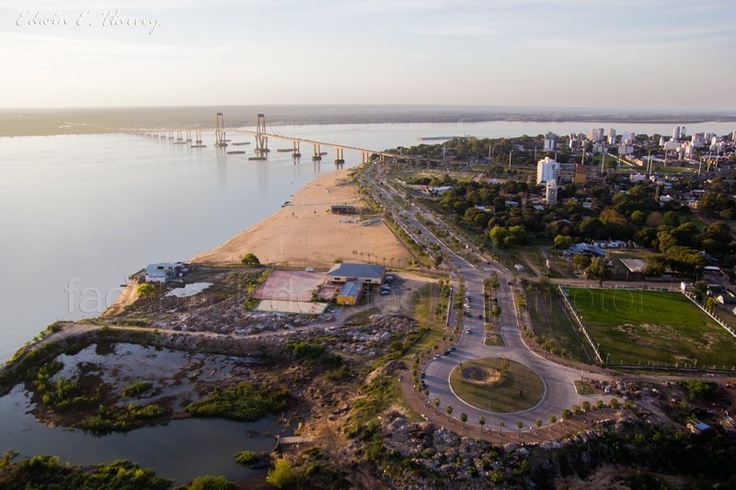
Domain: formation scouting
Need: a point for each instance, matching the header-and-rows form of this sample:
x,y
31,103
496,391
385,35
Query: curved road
x,y
559,393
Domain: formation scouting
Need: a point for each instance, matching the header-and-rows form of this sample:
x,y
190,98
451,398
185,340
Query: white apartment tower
x,y
676,133
547,170
611,136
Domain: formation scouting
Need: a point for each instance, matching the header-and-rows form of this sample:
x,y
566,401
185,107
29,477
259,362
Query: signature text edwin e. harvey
x,y
108,18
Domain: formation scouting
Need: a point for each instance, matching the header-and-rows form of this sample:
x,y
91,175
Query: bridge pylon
x,y
261,138
297,150
220,131
317,156
339,157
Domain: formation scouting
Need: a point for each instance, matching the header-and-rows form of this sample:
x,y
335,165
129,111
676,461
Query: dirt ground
x,y
305,233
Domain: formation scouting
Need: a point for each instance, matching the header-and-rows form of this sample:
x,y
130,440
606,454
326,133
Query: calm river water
x,y
80,213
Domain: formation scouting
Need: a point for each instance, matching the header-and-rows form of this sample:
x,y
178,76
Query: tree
x,y
448,410
519,425
563,242
566,414
482,422
282,474
250,259
437,402
463,417
501,425
586,405
552,420
597,270
613,403
538,423
581,261
498,236
656,265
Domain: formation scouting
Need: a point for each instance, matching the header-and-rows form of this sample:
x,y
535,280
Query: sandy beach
x,y
305,233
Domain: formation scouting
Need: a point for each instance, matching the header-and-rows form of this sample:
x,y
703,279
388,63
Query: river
x,y
81,212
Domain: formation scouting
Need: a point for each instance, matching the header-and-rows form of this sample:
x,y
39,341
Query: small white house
x,y
162,272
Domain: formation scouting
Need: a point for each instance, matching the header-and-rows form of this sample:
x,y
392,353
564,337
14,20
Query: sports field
x,y
647,327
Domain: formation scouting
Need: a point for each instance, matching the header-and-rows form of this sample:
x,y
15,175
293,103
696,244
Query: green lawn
x,y
518,388
552,327
642,327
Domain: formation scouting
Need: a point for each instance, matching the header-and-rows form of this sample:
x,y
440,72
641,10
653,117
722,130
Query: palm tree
x,y
519,424
463,417
437,402
448,410
482,422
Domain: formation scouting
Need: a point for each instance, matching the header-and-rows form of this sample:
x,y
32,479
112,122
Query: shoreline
x,y
305,233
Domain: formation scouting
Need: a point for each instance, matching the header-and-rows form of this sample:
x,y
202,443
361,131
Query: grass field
x,y
517,387
553,330
643,327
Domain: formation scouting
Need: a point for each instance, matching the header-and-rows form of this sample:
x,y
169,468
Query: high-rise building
x,y
547,170
550,142
676,133
611,136
597,134
551,192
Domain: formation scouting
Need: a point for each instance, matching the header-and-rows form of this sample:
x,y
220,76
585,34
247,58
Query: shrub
x,y
282,474
246,457
211,483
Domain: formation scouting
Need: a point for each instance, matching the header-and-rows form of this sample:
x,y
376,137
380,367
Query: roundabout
x,y
497,385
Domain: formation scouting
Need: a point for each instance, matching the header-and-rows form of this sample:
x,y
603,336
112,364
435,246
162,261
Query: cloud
x,y
457,31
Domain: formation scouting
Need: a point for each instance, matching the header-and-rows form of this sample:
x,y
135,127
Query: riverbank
x,y
305,233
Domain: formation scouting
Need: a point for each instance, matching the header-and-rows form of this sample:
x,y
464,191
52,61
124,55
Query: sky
x,y
628,54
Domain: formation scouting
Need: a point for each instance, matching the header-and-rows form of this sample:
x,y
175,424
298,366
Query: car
x,y
480,317
422,375
436,356
385,292
388,279
447,352
468,331
452,349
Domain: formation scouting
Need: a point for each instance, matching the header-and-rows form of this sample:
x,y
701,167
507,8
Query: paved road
x,y
559,393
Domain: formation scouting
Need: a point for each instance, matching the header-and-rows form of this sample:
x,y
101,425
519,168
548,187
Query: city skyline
x,y
651,55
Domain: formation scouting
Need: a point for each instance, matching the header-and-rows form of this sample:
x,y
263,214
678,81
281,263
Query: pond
x,y
179,450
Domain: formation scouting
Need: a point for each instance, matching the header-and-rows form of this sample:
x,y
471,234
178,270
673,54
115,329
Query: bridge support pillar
x,y
220,131
317,155
365,157
261,139
339,157
297,151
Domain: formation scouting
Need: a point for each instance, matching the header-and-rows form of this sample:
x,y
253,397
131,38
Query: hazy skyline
x,y
649,54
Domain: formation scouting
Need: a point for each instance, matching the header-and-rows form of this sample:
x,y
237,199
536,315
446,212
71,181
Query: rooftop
x,y
357,270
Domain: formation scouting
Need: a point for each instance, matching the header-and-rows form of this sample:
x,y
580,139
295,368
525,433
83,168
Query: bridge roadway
x,y
559,389
365,152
